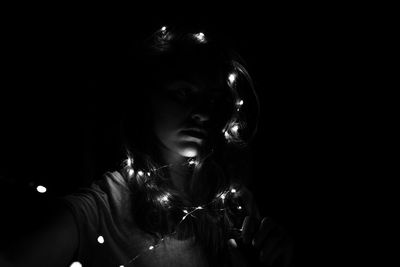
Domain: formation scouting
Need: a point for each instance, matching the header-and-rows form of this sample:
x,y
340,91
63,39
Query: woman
x,y
179,198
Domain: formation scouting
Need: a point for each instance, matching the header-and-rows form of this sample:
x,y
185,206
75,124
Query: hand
x,y
273,244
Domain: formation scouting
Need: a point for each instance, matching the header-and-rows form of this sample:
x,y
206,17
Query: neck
x,y
180,173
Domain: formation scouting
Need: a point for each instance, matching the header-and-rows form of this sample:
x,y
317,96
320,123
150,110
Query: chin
x,y
189,152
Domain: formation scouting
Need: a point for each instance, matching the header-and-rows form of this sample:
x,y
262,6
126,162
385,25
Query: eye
x,y
182,93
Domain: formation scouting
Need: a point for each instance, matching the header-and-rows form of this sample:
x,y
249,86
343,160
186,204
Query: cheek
x,y
167,117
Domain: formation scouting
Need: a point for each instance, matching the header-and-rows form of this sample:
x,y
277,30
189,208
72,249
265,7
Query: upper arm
x,y
54,243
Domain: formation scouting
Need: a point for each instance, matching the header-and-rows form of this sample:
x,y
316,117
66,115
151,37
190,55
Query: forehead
x,y
206,78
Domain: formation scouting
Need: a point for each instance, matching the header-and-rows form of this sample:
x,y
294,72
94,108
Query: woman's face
x,y
185,112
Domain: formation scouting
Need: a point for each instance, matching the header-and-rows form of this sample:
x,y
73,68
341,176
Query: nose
x,y
200,117
201,110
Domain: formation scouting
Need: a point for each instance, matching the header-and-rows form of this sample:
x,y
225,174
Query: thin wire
x,y
183,218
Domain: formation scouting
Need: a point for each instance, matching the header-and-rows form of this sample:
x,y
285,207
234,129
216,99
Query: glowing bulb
x,y
164,28
76,264
235,128
192,162
185,211
200,37
164,199
121,266
226,134
199,207
222,196
233,190
140,173
151,247
148,173
239,104
41,189
129,162
100,239
239,207
131,172
232,78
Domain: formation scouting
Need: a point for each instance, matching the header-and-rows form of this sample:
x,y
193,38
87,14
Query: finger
x,y
266,227
249,227
232,243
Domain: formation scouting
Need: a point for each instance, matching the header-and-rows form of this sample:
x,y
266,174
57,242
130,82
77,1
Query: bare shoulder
x,y
53,243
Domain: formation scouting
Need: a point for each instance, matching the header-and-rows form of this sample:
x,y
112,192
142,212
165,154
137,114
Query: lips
x,y
195,132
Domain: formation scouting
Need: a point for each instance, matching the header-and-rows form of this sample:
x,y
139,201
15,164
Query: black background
x,y
299,59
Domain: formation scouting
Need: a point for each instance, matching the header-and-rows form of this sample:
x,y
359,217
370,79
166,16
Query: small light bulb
x,y
164,28
200,37
185,211
192,162
163,199
222,196
226,134
151,247
235,128
140,173
121,266
239,104
130,172
199,207
239,207
129,162
76,264
41,189
232,78
100,239
233,190
148,173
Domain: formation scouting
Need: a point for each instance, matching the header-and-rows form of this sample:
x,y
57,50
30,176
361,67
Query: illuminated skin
x,y
189,102
174,110
183,103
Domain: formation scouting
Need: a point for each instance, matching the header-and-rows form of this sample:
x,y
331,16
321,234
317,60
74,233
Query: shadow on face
x,y
189,109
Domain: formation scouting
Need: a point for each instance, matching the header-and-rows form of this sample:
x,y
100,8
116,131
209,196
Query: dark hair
x,y
218,169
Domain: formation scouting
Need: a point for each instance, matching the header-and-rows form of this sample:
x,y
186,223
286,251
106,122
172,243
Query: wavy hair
x,y
156,204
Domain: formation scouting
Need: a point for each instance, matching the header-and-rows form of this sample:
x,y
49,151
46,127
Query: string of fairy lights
x,y
186,211
230,132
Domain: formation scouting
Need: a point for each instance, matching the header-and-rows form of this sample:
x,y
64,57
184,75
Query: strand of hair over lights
x,y
186,211
230,132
